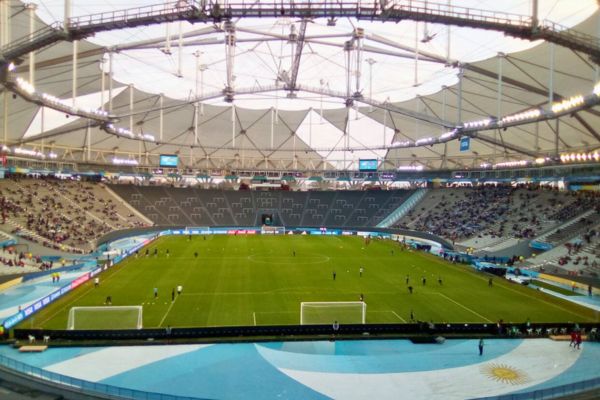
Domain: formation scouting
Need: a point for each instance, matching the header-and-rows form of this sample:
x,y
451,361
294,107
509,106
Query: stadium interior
x,y
442,139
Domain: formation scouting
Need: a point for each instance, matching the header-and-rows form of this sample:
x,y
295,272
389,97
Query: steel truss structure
x,y
209,12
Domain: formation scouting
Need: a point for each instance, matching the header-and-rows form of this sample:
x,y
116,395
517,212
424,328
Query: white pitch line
x,y
254,317
167,313
465,307
399,317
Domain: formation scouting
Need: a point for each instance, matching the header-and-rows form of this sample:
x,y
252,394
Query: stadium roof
x,y
404,78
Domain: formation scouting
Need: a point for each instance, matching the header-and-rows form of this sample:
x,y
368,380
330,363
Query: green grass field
x,y
248,280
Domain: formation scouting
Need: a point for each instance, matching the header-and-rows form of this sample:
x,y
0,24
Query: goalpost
x,y
105,317
328,312
272,230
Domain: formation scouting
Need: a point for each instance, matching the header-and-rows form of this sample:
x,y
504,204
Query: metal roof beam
x,y
521,26
587,126
297,55
501,143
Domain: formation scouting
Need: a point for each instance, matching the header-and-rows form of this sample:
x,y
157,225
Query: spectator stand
x,y
62,214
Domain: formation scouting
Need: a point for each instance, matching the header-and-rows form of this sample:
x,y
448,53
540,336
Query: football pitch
x,y
262,280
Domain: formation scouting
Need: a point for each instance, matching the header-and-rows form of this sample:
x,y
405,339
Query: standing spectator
x,y
578,340
481,346
573,338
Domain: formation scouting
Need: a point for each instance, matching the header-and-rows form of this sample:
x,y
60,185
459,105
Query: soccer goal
x,y
105,317
272,230
328,312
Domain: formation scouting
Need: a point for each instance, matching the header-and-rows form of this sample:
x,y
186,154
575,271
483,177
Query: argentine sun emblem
x,y
504,373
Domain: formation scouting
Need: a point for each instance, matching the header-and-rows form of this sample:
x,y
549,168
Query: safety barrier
x,y
80,385
550,393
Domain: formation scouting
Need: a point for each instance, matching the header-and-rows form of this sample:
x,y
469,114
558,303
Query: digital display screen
x,y
169,160
367,165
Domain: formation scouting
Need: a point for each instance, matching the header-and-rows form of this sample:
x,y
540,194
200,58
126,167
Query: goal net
x,y
105,317
328,312
272,230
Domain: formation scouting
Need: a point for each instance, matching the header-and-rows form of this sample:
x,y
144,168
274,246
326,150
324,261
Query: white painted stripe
x,y
465,307
168,311
112,361
535,361
399,317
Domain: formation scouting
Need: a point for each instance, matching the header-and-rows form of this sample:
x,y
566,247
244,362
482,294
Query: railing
x,y
550,393
419,10
81,385
451,11
300,8
554,28
173,8
49,31
402,209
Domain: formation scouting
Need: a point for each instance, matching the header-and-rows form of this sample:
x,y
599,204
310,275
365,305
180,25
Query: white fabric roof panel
x,y
526,73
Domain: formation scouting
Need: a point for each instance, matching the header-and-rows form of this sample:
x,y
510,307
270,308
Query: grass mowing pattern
x,y
247,280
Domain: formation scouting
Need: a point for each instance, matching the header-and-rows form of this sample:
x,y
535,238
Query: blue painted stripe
x,y
48,357
377,357
224,371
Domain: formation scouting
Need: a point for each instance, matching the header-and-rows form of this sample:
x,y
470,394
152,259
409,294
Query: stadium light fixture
x,y
568,104
25,86
448,134
404,143
478,124
580,157
522,116
597,89
509,164
124,161
424,141
148,137
27,152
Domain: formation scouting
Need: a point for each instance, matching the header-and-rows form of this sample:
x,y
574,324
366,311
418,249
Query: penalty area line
x,y
167,313
254,317
388,312
399,317
463,306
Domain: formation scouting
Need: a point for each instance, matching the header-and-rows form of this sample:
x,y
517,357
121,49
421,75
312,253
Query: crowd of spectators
x,y
11,257
583,252
581,201
501,211
8,208
464,213
67,215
